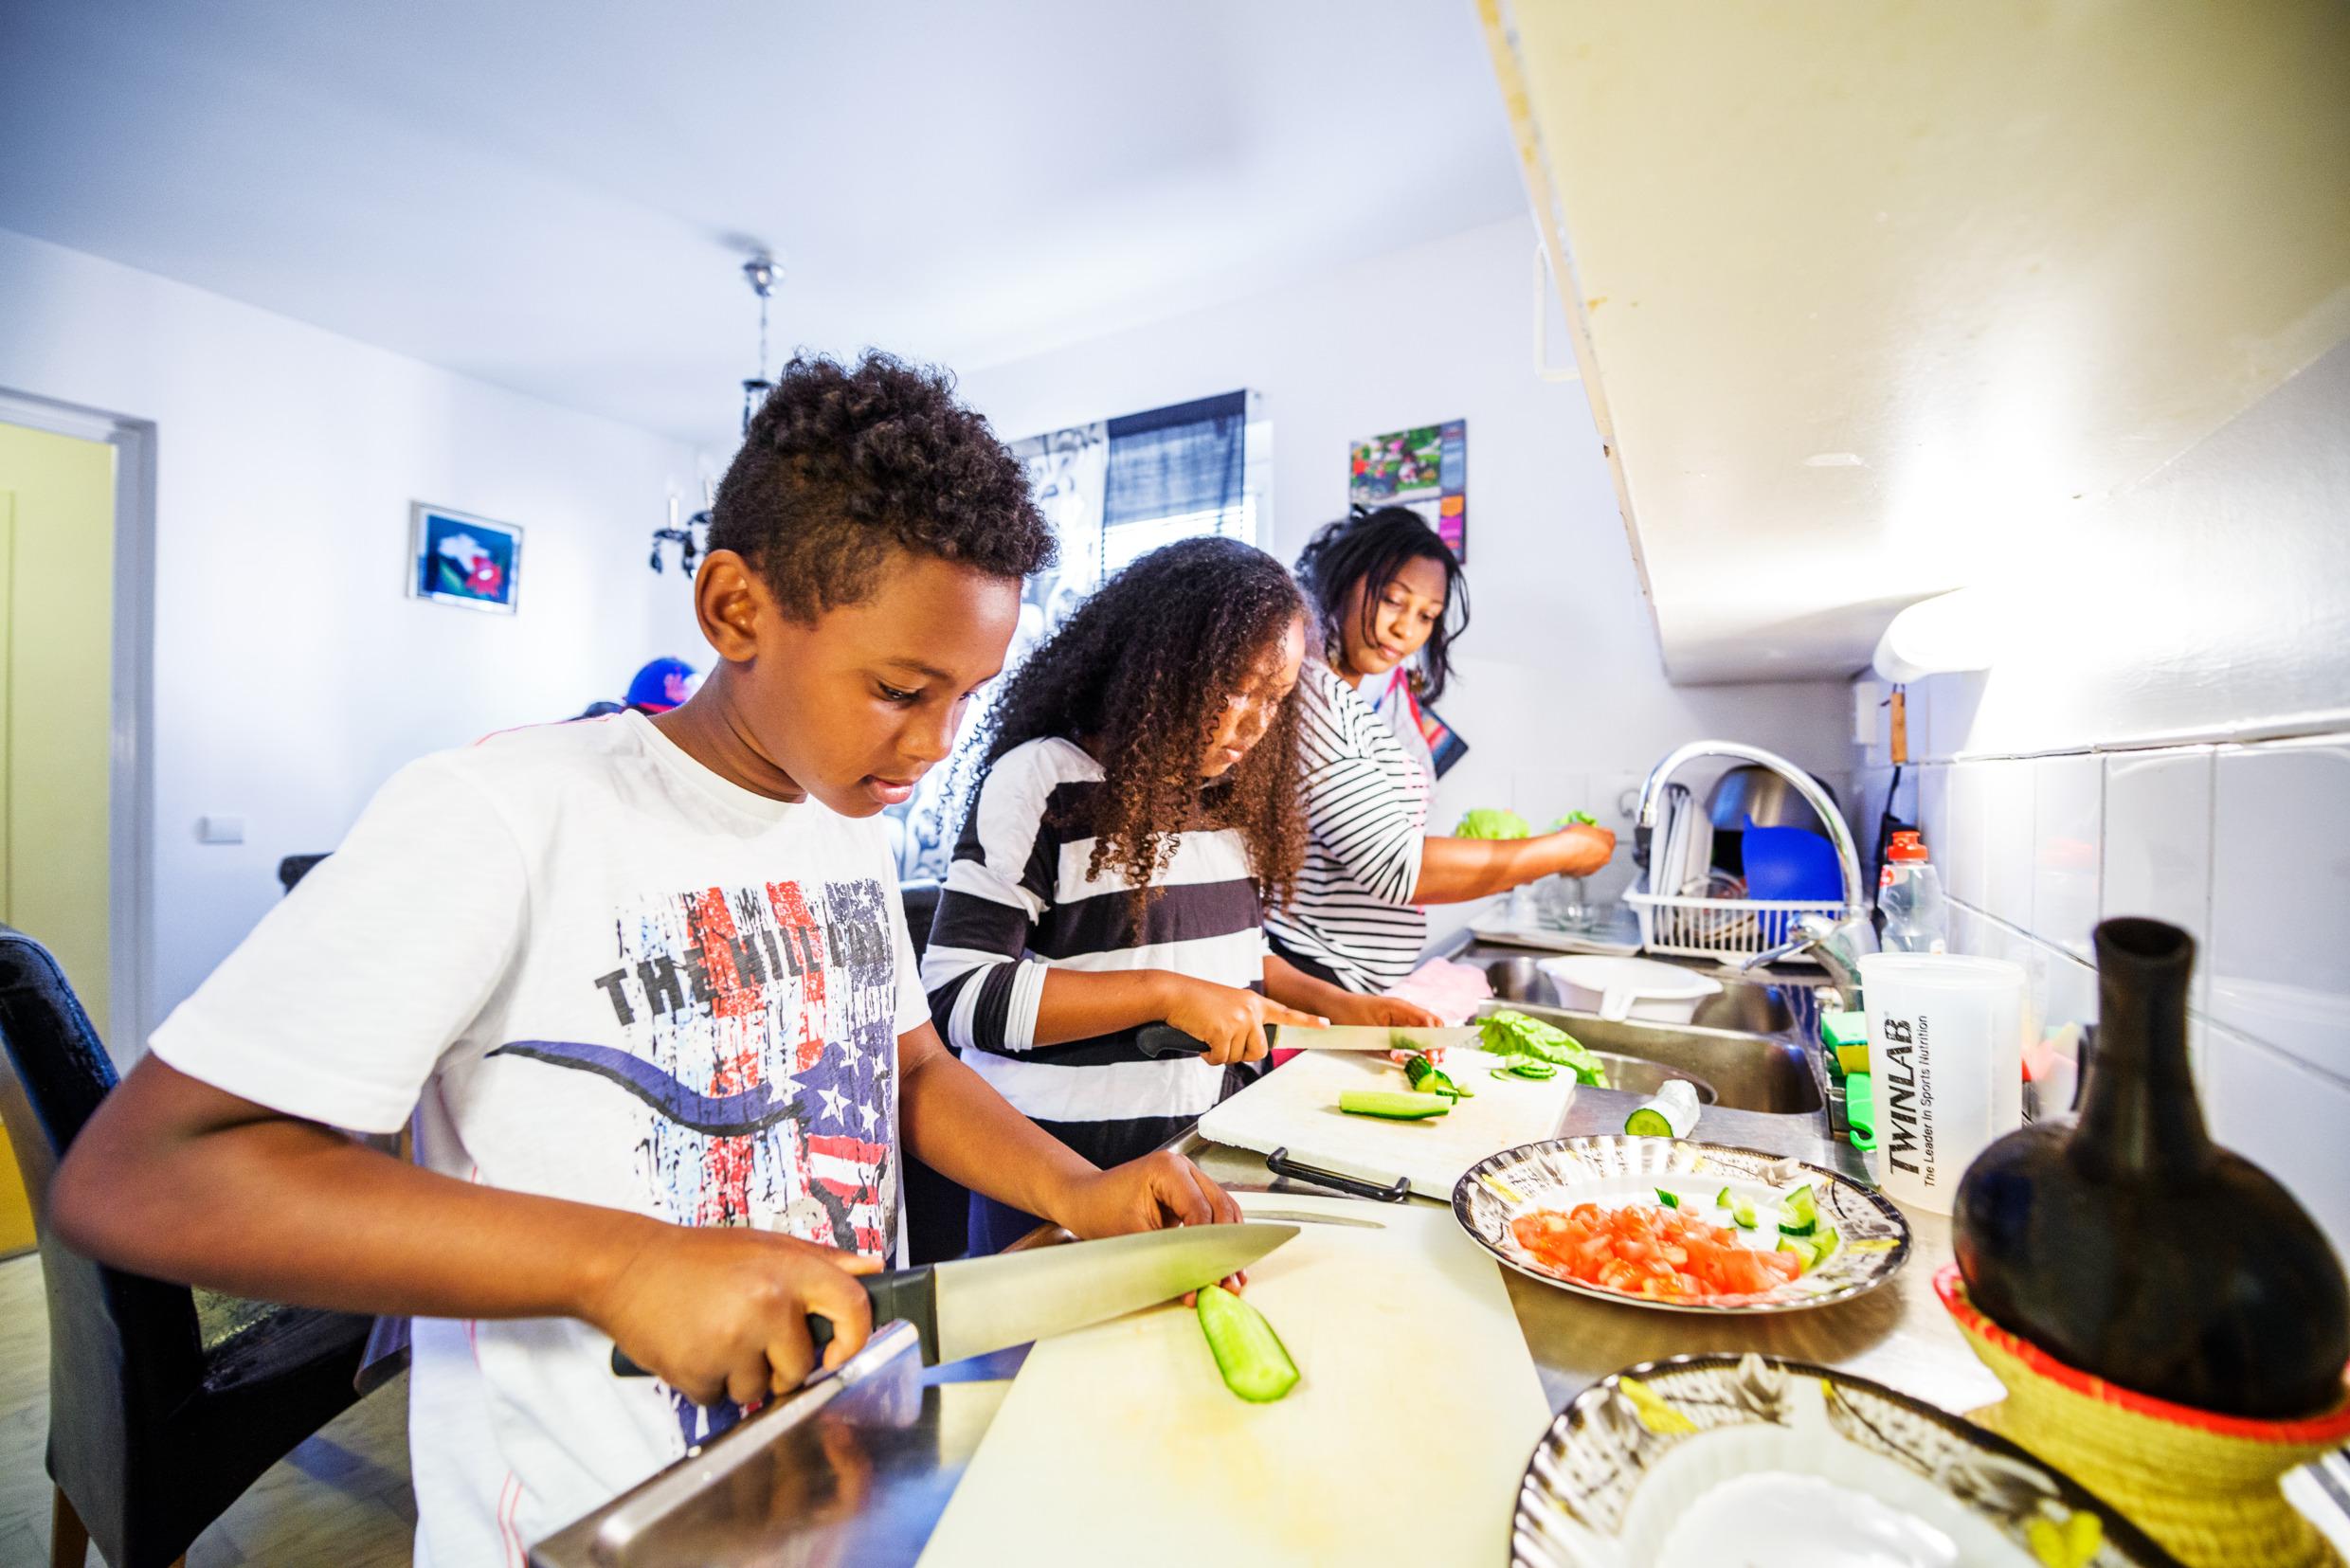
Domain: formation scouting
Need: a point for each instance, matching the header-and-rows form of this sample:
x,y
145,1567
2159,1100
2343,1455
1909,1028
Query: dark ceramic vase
x,y
2127,1244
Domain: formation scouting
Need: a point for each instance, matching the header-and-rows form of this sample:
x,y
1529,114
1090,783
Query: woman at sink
x,y
1138,802
1389,600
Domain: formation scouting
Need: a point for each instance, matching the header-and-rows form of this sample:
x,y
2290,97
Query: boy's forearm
x,y
180,1181
953,1122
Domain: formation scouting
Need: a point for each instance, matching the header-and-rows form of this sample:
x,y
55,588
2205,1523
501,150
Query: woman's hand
x,y
1231,1020
1389,1012
1581,849
721,1311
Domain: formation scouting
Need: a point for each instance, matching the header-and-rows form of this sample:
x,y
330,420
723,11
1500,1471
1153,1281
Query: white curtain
x,y
1067,470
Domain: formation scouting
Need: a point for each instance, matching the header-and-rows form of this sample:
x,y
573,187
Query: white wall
x,y
1561,693
2166,731
292,675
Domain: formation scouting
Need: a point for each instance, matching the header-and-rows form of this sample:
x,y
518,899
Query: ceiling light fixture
x,y
691,536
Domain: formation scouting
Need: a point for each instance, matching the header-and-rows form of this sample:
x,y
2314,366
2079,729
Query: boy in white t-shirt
x,y
643,986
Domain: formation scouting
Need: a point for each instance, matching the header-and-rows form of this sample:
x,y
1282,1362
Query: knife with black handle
x,y
973,1306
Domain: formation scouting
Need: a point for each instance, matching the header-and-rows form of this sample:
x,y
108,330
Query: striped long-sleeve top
x,y
1367,807
1019,903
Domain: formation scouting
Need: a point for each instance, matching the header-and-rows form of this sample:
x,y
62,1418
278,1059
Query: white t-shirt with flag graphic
x,y
589,968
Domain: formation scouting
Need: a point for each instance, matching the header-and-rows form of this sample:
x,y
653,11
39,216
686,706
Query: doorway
x,y
73,634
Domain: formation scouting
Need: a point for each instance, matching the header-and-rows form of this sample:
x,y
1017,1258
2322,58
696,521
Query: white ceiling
x,y
1876,300
554,197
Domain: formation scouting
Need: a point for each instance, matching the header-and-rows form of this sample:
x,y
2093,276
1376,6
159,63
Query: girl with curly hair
x,y
1138,805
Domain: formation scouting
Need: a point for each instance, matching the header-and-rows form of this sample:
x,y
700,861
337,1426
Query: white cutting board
x,y
1403,1442
1296,1107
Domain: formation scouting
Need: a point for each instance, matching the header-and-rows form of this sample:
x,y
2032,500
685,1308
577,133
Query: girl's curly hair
x,y
1139,678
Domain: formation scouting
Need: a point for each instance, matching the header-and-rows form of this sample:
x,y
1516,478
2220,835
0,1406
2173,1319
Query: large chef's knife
x,y
1165,1039
977,1305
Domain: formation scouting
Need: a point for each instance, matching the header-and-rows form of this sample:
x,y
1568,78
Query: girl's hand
x,y
1231,1020
1390,1012
1151,1193
721,1311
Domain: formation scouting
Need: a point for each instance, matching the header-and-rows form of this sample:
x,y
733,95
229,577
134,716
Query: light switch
x,y
220,830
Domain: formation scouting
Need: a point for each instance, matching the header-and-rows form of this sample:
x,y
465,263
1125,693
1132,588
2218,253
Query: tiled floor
x,y
341,1498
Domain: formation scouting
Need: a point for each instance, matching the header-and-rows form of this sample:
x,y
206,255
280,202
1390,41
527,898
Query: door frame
x,y
131,786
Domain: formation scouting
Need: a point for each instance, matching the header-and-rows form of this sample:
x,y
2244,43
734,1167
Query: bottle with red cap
x,y
1917,919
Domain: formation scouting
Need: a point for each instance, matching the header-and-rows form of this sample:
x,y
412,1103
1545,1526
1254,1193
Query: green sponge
x,y
1846,1035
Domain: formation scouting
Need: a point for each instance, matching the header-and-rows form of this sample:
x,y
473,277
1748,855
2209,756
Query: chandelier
x,y
691,536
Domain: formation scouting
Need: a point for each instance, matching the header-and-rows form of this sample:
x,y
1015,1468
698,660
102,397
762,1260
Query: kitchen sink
x,y
1747,1005
1744,1072
1744,1049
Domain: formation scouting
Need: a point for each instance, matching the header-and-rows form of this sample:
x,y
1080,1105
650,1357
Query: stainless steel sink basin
x,y
1745,1071
1637,1076
1753,1007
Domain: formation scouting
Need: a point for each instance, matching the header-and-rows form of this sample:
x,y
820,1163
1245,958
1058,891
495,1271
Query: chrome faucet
x,y
1831,819
1837,945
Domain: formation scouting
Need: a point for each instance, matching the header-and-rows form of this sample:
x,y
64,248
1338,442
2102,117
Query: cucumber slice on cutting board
x,y
1395,1104
1255,1363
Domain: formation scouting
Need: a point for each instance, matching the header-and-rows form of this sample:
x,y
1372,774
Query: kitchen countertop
x,y
886,1456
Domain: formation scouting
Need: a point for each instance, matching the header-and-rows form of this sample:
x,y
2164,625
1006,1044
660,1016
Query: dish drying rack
x,y
1730,929
1706,917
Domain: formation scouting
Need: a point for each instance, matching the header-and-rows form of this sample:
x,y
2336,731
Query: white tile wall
x,y
2286,1120
2157,845
2068,808
1933,800
1966,856
2280,938
2248,847
2007,850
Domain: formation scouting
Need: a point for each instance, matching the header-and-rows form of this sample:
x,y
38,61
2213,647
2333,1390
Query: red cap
x,y
1907,845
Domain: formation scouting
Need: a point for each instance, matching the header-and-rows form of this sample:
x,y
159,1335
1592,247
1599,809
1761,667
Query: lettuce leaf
x,y
1490,822
1508,1034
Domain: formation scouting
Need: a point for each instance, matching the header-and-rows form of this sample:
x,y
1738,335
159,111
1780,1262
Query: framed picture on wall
x,y
458,558
1425,468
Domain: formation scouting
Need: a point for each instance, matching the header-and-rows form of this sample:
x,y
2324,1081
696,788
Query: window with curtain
x,y
1177,473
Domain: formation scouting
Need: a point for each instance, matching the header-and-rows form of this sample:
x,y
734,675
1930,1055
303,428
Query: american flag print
x,y
759,1034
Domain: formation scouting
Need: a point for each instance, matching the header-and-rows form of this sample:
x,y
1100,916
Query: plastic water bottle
x,y
1917,920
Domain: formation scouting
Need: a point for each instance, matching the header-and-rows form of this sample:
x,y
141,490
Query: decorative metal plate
x,y
1631,1470
1559,1173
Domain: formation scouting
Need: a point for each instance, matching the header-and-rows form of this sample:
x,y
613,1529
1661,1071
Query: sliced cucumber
x,y
1392,1103
1534,1067
1648,1121
1667,1199
1799,1214
1743,1211
1826,1244
1721,1199
1255,1363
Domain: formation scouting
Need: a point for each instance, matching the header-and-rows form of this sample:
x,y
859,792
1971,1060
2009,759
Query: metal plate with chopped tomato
x,y
1669,1223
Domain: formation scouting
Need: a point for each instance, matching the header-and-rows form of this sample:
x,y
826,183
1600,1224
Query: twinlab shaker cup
x,y
1945,1049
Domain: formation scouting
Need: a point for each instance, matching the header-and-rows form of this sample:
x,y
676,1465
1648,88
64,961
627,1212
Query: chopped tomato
x,y
1649,1250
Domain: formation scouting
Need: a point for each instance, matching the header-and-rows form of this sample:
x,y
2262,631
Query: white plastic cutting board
x,y
1403,1443
1296,1107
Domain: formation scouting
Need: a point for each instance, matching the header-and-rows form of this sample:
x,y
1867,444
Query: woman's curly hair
x,y
1139,678
841,465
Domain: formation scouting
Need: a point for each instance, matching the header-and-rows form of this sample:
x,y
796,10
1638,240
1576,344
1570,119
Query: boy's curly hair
x,y
1139,677
842,464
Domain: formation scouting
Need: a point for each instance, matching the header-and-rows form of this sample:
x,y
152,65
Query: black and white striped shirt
x,y
1366,805
1018,903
